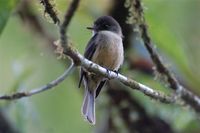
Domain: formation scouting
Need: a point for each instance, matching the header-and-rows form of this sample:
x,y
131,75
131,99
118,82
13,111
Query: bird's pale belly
x,y
109,56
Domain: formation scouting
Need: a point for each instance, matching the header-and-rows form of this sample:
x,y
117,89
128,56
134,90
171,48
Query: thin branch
x,y
50,10
95,68
46,87
67,18
189,98
160,67
92,67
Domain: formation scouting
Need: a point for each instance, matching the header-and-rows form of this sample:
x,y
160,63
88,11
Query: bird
x,y
105,48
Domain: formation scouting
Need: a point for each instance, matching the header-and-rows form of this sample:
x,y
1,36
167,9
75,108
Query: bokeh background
x,y
27,61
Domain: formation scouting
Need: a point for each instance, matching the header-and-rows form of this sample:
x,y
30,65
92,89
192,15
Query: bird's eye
x,y
107,25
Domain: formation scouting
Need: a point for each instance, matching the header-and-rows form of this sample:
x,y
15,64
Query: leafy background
x,y
26,62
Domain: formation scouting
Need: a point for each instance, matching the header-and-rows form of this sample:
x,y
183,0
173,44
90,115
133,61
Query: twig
x,y
189,98
46,87
95,68
160,67
67,18
50,10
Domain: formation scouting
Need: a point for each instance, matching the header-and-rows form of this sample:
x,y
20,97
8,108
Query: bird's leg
x,y
116,71
108,72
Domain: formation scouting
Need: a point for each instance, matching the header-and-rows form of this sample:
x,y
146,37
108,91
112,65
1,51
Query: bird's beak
x,y
90,28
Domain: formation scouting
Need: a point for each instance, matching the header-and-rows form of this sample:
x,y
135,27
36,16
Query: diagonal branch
x,y
48,8
67,18
189,98
95,68
46,87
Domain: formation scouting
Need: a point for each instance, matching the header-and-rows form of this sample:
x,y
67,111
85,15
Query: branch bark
x,y
48,8
67,18
188,97
92,67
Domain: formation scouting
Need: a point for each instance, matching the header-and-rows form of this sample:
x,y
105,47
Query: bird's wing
x,y
89,51
101,84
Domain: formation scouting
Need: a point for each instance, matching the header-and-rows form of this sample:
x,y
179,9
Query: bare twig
x,y
50,10
125,80
95,68
67,18
185,94
160,67
46,87
189,98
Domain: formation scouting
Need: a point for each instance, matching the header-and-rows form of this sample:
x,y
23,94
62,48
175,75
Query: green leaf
x,y
6,6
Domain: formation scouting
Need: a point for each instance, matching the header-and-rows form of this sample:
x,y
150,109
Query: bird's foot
x,y
108,72
116,71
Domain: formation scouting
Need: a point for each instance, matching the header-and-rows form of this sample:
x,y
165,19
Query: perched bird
x,y
106,49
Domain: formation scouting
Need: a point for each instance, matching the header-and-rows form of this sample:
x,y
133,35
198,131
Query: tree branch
x,y
188,97
46,87
95,68
48,8
67,18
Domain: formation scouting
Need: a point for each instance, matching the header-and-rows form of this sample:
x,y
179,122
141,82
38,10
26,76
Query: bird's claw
x,y
117,72
108,72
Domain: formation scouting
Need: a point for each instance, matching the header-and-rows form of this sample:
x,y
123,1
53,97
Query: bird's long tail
x,y
88,107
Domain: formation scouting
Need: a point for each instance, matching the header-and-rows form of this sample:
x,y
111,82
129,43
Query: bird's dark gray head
x,y
107,23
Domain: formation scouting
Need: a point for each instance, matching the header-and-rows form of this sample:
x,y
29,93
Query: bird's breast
x,y
109,52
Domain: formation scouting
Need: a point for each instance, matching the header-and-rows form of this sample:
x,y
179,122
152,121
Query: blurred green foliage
x,y
25,63
6,6
174,27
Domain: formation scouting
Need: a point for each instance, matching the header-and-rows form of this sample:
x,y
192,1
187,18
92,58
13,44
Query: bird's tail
x,y
88,107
